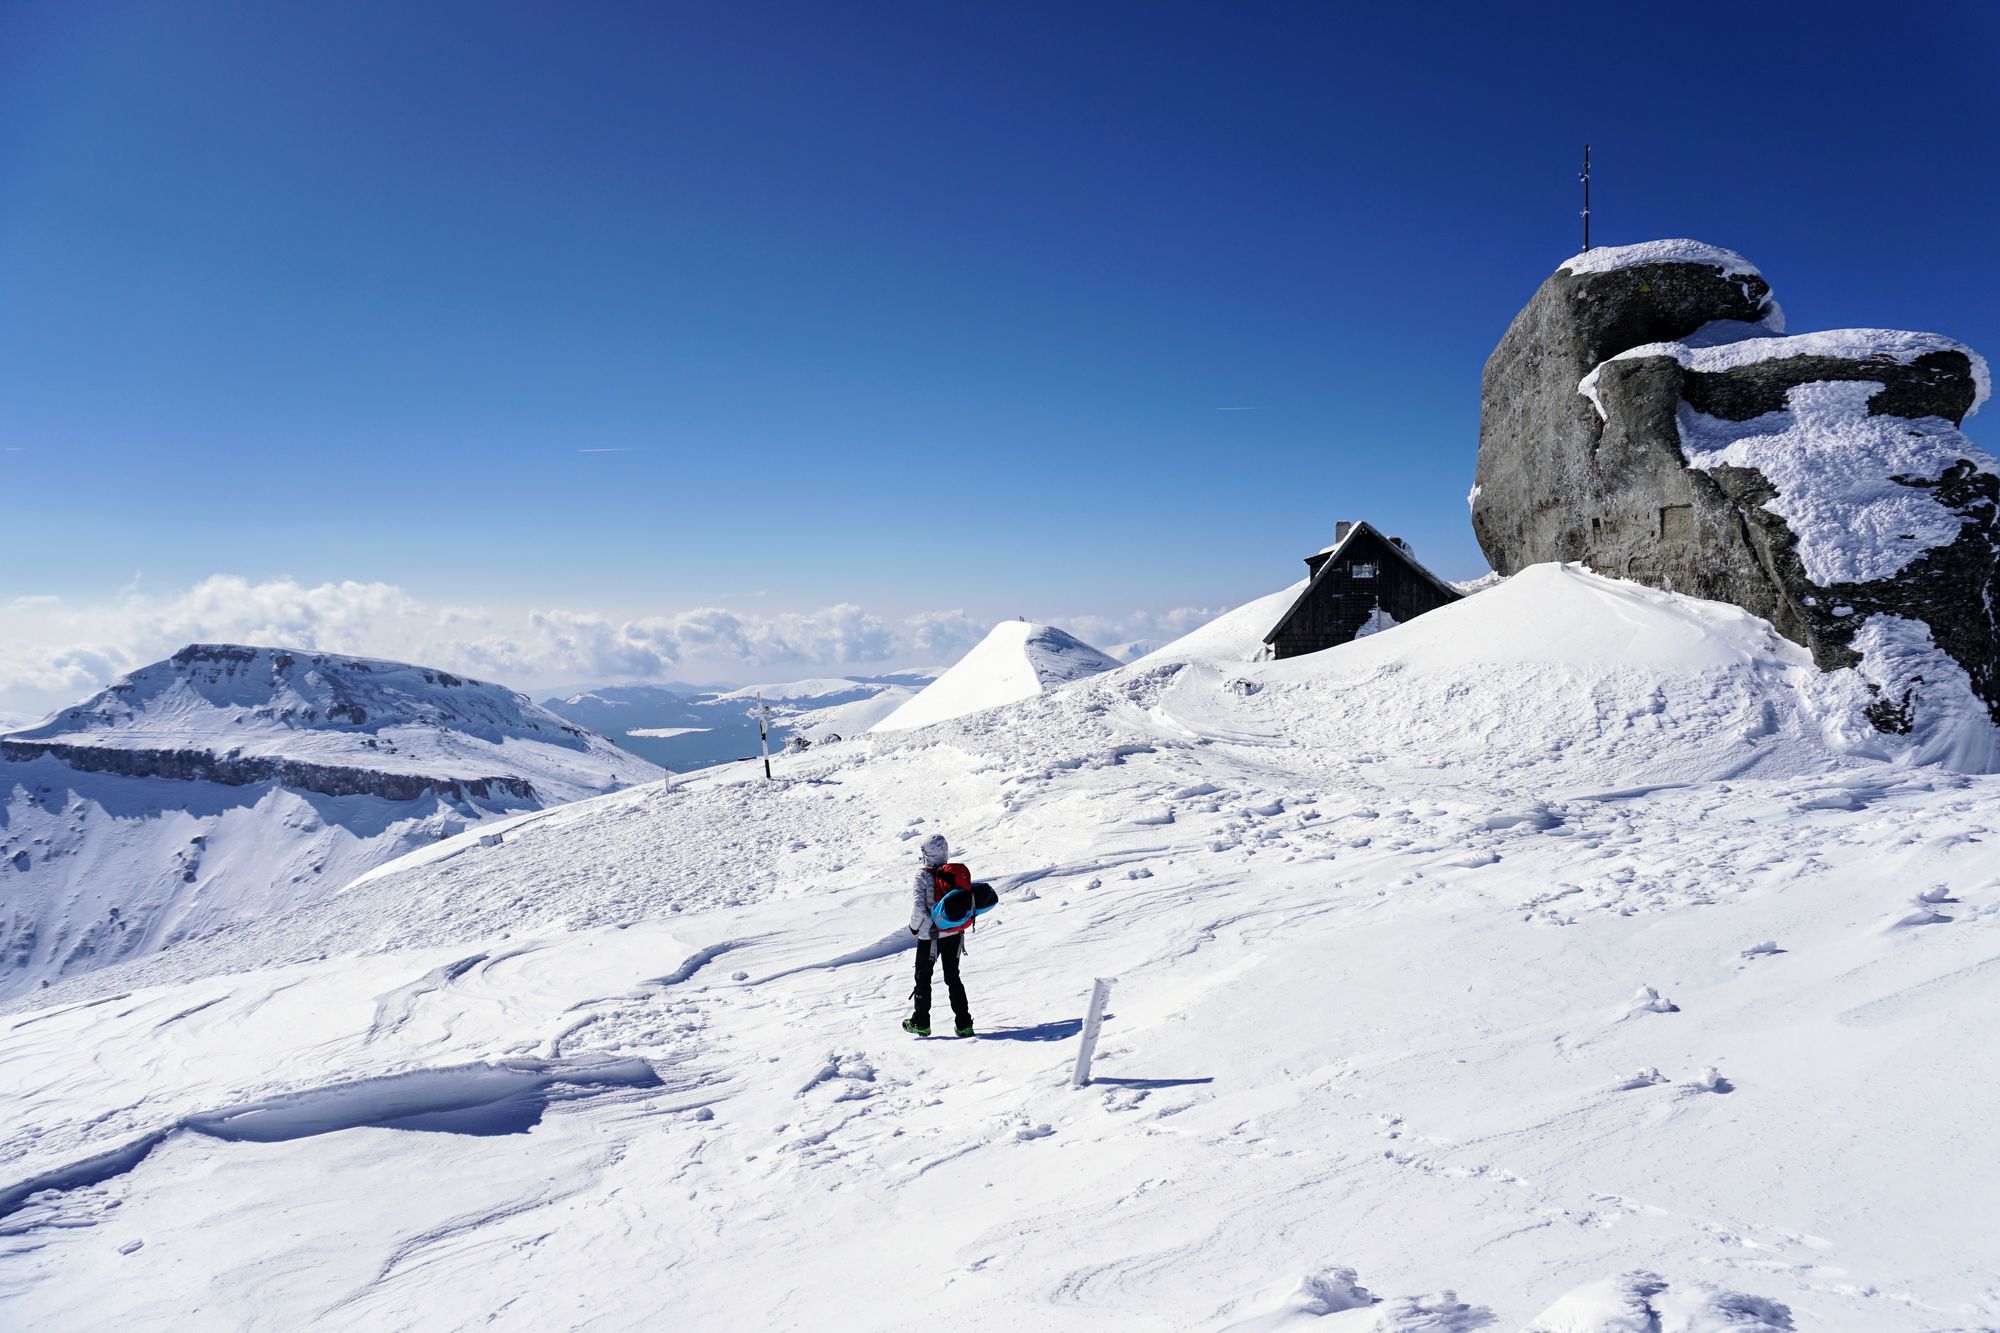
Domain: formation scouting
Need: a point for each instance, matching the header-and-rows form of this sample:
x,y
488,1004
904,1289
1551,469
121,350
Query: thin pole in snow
x,y
1585,178
762,712
1093,1018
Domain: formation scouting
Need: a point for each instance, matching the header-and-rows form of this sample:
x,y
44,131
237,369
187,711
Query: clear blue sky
x,y
913,305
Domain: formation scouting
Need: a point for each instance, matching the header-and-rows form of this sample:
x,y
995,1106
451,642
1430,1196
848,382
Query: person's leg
x,y
921,1010
960,1010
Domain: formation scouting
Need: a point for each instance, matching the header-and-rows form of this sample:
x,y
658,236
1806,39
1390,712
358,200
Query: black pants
x,y
948,949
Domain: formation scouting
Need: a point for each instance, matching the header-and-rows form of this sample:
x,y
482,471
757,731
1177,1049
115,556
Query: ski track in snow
x,y
1375,1016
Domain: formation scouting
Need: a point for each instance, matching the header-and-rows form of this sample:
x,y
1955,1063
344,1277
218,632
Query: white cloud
x,y
54,652
1165,626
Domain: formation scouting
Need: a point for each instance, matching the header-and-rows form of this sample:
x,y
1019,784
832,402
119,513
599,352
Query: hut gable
x,y
1363,581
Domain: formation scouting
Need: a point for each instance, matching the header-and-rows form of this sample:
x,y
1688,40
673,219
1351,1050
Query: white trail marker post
x,y
1093,1018
762,712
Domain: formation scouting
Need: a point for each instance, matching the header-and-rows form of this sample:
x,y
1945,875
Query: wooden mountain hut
x,y
1362,583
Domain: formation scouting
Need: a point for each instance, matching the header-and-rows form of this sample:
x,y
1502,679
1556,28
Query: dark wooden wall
x,y
1340,602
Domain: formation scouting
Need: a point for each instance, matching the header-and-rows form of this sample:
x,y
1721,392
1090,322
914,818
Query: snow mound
x,y
1016,660
1555,671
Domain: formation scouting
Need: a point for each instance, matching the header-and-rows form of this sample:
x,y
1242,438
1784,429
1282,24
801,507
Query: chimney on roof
x,y
1341,528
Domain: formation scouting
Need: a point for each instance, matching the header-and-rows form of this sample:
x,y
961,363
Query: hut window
x,y
1362,571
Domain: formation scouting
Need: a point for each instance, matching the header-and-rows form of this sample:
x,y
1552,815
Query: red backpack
x,y
945,879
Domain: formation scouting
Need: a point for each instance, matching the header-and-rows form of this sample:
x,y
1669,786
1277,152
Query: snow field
x,y
1393,927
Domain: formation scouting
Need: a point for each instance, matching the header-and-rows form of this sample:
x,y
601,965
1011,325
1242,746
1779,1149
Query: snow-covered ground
x,y
1553,960
1016,660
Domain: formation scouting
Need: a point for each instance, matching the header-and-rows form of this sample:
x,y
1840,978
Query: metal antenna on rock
x,y
1585,178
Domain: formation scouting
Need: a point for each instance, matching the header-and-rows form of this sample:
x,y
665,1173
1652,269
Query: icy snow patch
x,y
1833,465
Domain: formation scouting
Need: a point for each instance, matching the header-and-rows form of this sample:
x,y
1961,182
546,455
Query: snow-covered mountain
x,y
1559,960
687,727
1016,660
228,782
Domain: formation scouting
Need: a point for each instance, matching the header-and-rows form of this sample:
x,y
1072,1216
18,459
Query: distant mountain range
x,y
227,782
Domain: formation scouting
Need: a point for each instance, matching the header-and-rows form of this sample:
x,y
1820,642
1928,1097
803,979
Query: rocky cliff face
x,y
195,765
1644,416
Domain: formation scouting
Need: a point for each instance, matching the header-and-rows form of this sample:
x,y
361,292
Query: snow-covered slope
x,y
1015,661
1547,962
228,782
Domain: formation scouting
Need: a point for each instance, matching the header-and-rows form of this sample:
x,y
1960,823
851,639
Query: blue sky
x,y
915,307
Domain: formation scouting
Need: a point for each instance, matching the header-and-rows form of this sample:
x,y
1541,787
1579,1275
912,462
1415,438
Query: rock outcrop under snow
x,y
1644,415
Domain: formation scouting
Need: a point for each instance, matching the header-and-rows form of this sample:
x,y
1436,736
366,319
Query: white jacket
x,y
935,852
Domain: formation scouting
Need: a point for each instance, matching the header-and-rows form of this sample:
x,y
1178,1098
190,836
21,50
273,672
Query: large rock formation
x,y
1645,415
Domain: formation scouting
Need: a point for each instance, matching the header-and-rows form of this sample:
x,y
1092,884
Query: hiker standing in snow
x,y
937,877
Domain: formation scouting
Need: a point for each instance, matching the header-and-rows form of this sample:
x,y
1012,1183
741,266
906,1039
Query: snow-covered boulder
x,y
1644,415
1016,660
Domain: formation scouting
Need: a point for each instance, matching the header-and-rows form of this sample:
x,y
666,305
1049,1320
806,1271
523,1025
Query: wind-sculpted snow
x,y
1544,962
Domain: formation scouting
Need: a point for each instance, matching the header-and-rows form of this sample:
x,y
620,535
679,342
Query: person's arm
x,y
920,907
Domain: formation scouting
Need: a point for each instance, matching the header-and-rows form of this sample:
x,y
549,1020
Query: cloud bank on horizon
x,y
55,652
